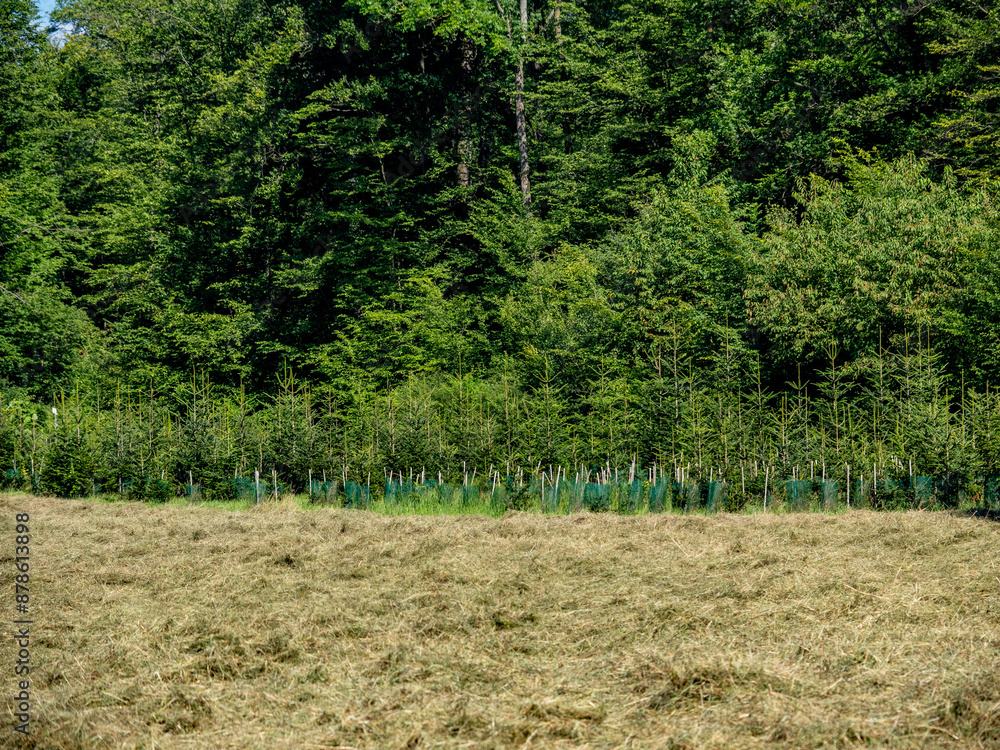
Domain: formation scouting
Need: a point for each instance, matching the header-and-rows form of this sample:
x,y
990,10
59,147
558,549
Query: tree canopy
x,y
241,186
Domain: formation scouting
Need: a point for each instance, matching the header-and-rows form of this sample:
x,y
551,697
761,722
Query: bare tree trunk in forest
x,y
522,131
522,127
558,24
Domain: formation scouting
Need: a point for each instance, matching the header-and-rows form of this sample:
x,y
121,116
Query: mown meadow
x,y
191,627
589,301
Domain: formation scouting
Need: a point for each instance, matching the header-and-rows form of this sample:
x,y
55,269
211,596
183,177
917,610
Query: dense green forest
x,y
294,235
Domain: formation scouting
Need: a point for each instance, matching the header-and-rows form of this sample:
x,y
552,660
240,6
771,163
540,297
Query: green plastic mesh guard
x,y
716,496
244,489
470,495
691,493
355,495
923,492
890,493
798,492
659,496
597,497
991,493
861,494
830,492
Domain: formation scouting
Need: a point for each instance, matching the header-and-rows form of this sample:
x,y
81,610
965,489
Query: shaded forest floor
x,y
167,627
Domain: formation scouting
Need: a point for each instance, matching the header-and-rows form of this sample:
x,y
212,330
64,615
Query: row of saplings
x,y
69,470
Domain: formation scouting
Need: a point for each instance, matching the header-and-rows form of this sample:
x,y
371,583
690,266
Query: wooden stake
x,y
766,470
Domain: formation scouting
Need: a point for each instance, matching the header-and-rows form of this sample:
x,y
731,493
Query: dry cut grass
x,y
160,627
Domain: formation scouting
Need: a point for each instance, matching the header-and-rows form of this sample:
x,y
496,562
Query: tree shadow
x,y
985,513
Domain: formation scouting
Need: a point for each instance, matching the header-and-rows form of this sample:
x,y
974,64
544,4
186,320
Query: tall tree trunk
x,y
522,128
522,132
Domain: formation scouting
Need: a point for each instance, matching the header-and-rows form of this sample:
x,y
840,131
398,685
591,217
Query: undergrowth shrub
x,y
68,470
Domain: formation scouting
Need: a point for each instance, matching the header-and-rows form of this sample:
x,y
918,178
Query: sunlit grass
x,y
287,625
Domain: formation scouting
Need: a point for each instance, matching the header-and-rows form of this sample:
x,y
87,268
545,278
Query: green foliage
x,y
967,39
889,251
68,469
682,263
148,489
760,232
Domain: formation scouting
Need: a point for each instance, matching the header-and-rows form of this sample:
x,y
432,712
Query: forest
x,y
480,240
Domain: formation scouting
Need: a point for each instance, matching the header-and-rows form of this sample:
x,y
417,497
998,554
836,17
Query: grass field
x,y
187,627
